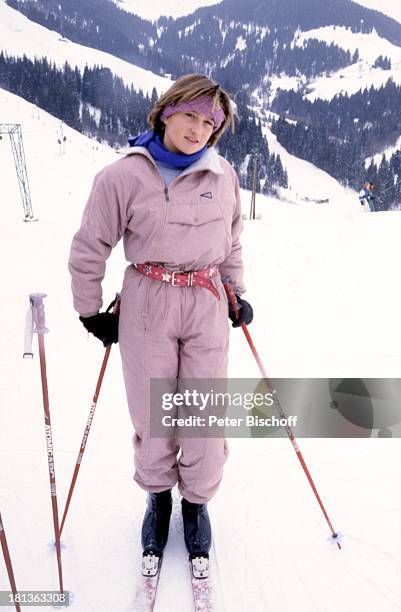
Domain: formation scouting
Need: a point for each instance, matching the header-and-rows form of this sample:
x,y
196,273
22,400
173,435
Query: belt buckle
x,y
190,278
173,278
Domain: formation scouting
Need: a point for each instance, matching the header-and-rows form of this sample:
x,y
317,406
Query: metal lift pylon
x,y
17,145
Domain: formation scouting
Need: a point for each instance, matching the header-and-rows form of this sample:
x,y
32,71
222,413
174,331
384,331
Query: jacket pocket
x,y
193,215
195,233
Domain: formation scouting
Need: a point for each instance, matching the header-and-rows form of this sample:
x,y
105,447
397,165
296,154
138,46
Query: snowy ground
x,y
324,283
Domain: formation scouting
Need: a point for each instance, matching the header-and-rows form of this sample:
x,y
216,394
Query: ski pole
x,y
116,310
39,328
234,303
8,563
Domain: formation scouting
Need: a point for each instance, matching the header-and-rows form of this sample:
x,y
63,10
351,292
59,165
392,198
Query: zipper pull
x,y
166,194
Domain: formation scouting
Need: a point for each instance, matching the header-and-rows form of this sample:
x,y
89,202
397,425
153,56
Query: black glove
x,y
245,313
103,325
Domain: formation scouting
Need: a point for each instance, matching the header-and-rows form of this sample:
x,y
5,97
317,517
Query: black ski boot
x,y
198,537
155,528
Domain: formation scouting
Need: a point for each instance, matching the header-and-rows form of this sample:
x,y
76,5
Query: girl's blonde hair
x,y
188,88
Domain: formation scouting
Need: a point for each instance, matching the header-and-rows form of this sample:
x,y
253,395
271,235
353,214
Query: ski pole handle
x,y
115,305
116,309
28,352
38,311
232,298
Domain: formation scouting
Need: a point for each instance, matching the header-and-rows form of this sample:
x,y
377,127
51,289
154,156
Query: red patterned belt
x,y
181,279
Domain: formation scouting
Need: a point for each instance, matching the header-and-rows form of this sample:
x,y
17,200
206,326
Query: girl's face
x,y
187,132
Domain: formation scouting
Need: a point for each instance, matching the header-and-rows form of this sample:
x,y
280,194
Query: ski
x,y
201,584
145,596
146,591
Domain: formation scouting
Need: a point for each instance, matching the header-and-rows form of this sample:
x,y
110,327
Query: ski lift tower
x,y
17,145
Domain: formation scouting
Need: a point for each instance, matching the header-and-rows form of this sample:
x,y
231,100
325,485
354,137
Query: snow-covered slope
x,y
391,8
321,280
19,36
369,46
351,79
360,75
307,182
157,8
387,151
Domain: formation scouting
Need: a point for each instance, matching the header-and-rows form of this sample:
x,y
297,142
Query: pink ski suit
x,y
165,331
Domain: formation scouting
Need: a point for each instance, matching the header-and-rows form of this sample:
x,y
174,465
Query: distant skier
x,y
366,196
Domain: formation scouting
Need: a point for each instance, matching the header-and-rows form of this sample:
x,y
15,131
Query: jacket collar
x,y
208,161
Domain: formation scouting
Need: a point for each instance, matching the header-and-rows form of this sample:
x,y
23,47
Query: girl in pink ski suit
x,y
176,204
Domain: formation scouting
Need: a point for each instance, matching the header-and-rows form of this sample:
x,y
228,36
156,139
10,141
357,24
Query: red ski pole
x,y
233,301
39,327
116,310
8,563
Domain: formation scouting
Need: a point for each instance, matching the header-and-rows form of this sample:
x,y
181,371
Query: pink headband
x,y
200,105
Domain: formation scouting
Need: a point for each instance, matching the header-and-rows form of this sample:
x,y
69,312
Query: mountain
x,y
300,14
95,23
323,50
178,8
238,44
93,100
222,38
159,8
366,71
22,36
